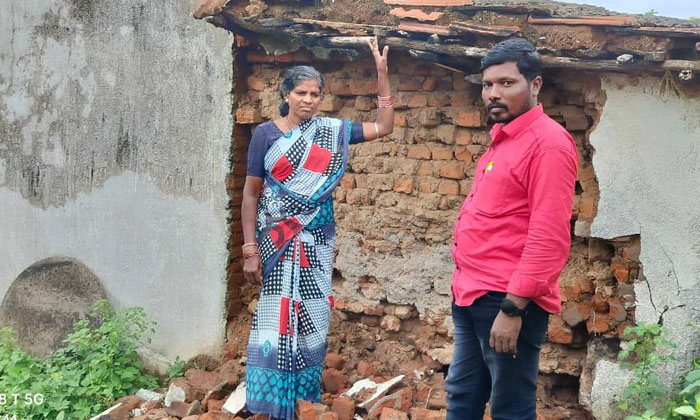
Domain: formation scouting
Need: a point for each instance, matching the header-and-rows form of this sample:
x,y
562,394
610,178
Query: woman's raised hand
x,y
379,57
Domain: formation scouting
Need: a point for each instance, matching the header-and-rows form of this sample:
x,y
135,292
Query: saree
x,y
296,237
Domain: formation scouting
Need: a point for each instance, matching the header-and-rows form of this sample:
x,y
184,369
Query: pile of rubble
x,y
219,394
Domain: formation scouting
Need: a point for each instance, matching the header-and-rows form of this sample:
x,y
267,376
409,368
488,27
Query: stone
x,y
333,380
571,316
255,83
46,299
328,416
236,401
331,103
177,391
344,408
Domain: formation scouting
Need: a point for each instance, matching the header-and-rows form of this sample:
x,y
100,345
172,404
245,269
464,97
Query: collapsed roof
x,y
457,33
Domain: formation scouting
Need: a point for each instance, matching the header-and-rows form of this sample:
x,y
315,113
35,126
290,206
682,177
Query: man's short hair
x,y
518,50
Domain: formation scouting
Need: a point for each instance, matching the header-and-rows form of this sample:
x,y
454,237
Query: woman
x,y
294,164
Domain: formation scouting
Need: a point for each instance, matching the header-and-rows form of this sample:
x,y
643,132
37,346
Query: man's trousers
x,y
478,373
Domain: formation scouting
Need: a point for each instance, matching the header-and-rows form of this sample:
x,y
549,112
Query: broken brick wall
x,y
395,213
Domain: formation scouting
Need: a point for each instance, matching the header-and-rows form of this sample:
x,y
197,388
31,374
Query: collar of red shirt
x,y
500,131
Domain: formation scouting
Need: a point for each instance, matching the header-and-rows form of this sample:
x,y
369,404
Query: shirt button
x,y
471,195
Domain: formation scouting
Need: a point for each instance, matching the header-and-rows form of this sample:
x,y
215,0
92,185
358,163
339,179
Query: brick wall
x,y
398,202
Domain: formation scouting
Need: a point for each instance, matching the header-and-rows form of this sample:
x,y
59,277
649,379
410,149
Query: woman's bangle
x,y
376,129
385,101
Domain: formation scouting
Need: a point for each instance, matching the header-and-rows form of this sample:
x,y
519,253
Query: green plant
x,y
176,369
651,12
641,354
96,366
689,404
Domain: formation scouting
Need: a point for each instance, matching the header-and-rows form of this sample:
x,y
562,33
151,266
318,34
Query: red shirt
x,y
513,232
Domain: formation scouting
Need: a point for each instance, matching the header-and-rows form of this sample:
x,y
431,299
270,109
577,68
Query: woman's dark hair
x,y
518,50
292,77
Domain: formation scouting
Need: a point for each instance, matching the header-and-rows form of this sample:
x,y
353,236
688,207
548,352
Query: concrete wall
x,y
647,160
115,129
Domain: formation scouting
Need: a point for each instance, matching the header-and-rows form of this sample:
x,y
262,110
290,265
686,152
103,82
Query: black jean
x,y
479,373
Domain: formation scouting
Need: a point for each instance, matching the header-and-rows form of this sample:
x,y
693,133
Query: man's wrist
x,y
520,302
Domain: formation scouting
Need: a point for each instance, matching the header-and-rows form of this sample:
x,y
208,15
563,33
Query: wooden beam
x,y
481,29
585,20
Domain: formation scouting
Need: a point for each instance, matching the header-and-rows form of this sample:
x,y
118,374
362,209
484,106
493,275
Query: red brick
x,y
418,152
448,188
621,272
442,153
191,392
217,415
255,83
425,187
598,324
127,404
201,379
391,323
576,122
463,154
425,414
358,196
403,185
328,416
229,372
338,87
429,84
391,414
426,169
331,103
344,408
306,410
248,115
463,137
464,187
399,119
362,87
418,101
411,84
348,181
335,361
333,380
469,119
365,369
363,103
439,99
215,405
446,133
452,170
558,332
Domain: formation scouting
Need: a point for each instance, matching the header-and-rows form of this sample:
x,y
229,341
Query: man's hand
x,y
504,333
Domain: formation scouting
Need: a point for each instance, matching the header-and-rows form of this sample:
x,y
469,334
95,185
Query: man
x,y
512,240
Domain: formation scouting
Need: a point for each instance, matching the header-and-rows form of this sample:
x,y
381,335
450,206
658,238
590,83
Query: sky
x,y
671,8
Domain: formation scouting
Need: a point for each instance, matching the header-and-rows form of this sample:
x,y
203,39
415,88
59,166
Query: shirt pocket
x,y
493,191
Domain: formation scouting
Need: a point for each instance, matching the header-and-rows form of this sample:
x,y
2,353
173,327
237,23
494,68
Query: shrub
x,y
96,366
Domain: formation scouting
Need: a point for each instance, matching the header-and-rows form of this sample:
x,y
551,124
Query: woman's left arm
x,y
385,114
